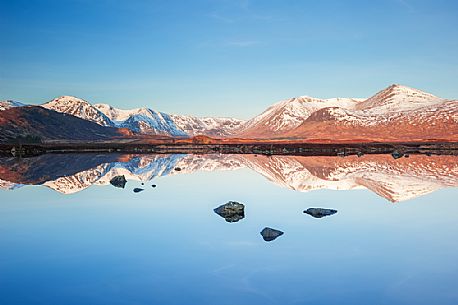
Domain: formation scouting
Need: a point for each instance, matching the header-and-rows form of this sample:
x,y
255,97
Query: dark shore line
x,y
301,149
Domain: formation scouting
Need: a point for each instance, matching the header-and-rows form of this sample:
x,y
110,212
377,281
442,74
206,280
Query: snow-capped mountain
x,y
9,104
397,98
142,120
79,108
213,127
395,113
288,114
145,120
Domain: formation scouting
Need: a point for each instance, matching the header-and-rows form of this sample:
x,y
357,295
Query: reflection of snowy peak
x,y
7,185
78,182
395,180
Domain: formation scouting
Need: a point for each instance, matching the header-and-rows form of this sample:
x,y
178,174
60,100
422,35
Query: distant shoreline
x,y
266,148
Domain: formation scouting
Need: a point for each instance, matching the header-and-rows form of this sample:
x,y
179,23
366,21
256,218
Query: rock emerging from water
x,y
118,181
138,190
320,212
232,211
154,185
178,169
269,234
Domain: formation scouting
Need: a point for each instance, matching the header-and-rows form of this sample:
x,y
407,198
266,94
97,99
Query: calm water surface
x,y
79,240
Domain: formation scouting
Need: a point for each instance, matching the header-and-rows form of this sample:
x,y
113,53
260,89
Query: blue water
x,y
166,245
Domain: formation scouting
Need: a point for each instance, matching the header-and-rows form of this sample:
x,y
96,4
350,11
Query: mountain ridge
x,y
396,111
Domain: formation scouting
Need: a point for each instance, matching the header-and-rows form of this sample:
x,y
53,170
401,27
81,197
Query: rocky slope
x,y
35,122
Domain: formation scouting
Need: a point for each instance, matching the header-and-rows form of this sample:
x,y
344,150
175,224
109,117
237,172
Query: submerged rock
x,y
118,181
269,234
138,190
397,155
177,169
232,211
320,212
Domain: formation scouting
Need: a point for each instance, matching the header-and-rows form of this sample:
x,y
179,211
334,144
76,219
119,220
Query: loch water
x,y
68,236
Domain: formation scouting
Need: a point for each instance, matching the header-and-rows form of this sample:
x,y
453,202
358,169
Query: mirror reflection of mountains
x,y
395,180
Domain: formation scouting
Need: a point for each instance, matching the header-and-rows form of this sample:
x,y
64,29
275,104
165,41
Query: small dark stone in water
x,y
118,181
320,212
138,190
232,211
269,234
177,169
143,183
406,156
360,154
396,154
154,185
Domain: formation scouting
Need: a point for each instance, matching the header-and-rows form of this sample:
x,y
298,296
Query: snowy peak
x,y
288,114
395,113
398,98
213,127
142,120
116,114
79,108
9,104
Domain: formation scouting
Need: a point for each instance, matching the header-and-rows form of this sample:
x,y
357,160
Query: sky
x,y
224,57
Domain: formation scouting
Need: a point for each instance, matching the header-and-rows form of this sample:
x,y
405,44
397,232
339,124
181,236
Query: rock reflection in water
x,y
320,212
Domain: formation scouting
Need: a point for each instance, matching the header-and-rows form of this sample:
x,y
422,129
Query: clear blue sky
x,y
224,57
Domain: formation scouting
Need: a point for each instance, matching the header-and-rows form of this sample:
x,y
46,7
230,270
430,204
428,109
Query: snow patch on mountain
x,y
9,104
142,120
79,108
213,127
288,114
398,98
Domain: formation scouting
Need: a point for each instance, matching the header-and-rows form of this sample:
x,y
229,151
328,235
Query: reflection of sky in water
x,y
167,246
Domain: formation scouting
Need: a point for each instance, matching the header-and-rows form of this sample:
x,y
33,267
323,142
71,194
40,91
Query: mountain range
x,y
397,113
